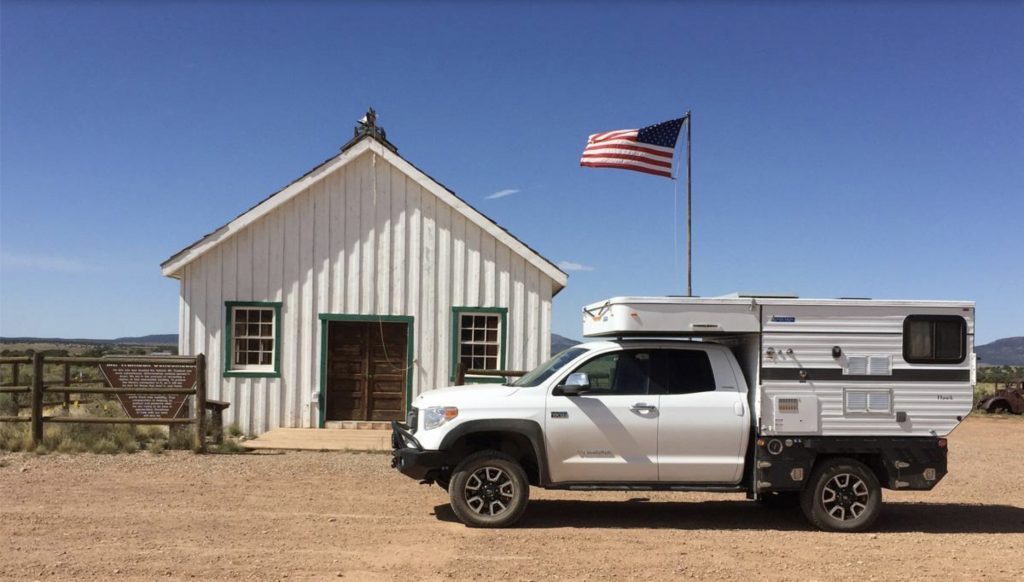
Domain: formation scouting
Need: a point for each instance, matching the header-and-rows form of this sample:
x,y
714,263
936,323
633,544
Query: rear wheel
x,y
489,489
843,495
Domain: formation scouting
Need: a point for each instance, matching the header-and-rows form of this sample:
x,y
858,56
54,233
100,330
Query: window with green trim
x,y
253,340
478,337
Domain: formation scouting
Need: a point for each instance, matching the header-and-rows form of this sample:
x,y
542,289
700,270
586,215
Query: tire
x,y
489,489
843,495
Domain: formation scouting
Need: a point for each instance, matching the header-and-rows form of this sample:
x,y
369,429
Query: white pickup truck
x,y
728,413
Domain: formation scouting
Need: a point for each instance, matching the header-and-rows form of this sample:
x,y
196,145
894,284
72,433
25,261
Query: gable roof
x,y
173,265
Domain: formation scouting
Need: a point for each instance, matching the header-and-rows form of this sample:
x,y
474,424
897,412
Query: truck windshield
x,y
545,370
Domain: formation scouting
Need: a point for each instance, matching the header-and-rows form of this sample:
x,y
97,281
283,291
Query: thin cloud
x,y
502,193
571,266
21,261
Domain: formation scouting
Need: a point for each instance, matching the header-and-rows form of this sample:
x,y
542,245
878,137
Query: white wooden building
x,y
353,289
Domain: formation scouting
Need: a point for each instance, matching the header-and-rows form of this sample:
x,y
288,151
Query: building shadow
x,y
938,518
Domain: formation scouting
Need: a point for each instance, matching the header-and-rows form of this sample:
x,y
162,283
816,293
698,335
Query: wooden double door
x,y
367,369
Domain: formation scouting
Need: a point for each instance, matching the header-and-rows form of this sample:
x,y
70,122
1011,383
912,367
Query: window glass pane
x,y
266,330
239,329
253,358
619,373
467,334
265,359
948,335
467,321
920,339
683,371
492,322
241,315
478,335
253,330
492,335
478,321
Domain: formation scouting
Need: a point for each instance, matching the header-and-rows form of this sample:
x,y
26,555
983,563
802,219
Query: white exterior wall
x,y
366,239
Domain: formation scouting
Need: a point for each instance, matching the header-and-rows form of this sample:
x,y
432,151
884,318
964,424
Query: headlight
x,y
435,416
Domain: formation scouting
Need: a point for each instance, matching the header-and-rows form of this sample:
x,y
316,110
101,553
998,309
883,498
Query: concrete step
x,y
357,425
318,439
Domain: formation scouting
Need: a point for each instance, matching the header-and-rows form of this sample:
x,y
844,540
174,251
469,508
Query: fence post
x,y
67,384
16,373
37,399
460,374
200,442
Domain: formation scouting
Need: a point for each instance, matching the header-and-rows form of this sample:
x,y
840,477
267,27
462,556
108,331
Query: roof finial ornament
x,y
369,121
367,127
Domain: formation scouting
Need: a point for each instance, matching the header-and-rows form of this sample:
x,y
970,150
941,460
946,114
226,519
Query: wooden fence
x,y
461,372
38,389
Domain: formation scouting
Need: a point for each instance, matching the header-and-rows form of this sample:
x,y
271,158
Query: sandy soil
x,y
328,515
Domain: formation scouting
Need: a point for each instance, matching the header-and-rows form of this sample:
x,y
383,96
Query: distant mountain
x,y
559,343
1008,351
166,339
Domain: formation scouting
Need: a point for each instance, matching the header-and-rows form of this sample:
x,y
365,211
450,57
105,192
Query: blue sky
x,y
839,150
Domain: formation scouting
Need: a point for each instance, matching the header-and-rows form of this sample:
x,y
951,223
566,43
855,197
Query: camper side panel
x,y
839,370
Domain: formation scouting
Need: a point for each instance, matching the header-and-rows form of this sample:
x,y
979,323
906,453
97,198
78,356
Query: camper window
x,y
934,339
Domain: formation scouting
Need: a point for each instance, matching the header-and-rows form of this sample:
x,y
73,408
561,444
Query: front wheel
x,y
842,495
489,489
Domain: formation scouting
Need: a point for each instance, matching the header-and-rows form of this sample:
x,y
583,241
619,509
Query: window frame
x,y
932,319
456,341
273,371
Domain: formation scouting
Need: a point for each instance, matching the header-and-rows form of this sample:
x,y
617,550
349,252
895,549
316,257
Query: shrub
x,y
180,439
229,447
157,446
234,430
8,405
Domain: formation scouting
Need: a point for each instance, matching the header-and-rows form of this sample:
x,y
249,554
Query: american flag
x,y
648,149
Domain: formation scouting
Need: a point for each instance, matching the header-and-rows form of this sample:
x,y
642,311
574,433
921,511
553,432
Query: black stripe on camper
x,y
836,375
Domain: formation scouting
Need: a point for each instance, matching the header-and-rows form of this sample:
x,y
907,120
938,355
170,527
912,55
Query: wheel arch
x,y
521,439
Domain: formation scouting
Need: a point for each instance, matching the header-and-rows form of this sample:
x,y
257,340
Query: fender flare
x,y
527,428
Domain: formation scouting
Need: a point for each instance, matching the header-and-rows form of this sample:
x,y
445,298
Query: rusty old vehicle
x,y
1009,398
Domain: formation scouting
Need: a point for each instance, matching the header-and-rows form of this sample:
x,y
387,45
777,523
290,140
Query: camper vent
x,y
868,365
856,365
880,365
787,405
868,401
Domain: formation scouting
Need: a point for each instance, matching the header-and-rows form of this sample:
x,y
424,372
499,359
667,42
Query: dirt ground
x,y
303,516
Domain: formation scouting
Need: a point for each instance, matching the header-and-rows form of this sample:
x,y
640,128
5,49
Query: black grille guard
x,y
401,438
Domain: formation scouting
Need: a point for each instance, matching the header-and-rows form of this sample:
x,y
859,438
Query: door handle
x,y
643,406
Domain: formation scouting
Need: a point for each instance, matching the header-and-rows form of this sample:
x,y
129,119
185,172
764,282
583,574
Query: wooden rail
x,y
38,390
461,372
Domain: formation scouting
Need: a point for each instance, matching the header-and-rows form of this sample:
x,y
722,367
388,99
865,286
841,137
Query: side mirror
x,y
576,384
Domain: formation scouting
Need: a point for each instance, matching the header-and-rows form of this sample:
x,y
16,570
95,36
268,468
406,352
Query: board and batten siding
x,y
367,240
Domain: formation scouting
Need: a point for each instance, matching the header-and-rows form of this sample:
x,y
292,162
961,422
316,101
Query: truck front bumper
x,y
408,456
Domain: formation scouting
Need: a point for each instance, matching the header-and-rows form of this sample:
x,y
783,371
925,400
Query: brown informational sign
x,y
149,376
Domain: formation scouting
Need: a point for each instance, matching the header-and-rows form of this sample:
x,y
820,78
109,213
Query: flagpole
x,y
689,213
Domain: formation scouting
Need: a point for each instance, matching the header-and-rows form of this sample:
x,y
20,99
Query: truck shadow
x,y
747,515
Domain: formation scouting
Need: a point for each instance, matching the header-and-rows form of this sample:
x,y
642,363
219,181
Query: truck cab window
x,y
626,372
684,371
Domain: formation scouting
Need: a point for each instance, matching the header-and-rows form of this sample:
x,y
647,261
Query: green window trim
x,y
229,327
457,311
